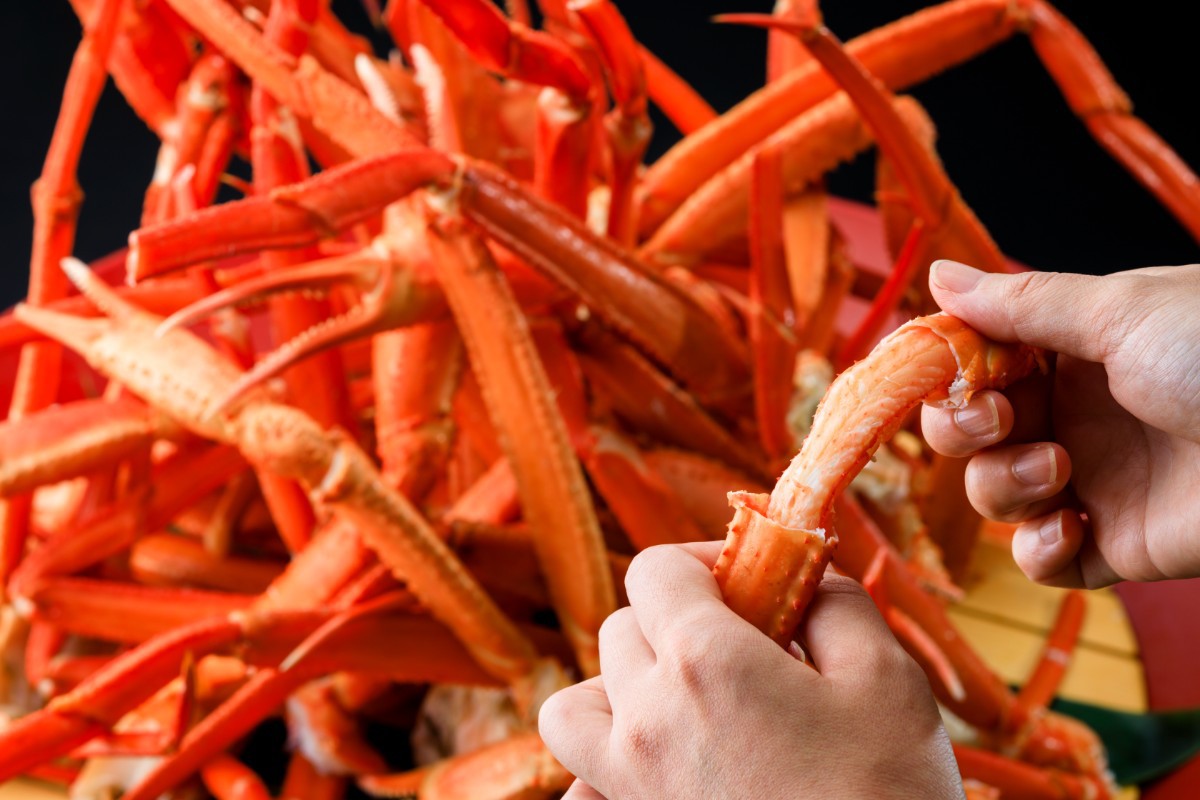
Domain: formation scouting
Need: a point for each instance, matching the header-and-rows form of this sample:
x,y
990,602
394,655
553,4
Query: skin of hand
x,y
1113,431
692,701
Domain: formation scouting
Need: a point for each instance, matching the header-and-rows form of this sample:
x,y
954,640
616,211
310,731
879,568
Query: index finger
x,y
673,586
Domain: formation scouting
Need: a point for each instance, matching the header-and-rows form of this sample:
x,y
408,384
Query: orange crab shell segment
x,y
762,558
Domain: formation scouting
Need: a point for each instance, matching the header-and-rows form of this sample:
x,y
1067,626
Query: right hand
x,y
1113,431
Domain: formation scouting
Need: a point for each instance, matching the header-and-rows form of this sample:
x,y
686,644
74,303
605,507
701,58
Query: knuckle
x,y
645,569
887,660
641,743
616,624
553,716
694,656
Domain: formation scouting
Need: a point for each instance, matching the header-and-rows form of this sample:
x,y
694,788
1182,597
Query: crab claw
x,y
79,334
392,296
116,346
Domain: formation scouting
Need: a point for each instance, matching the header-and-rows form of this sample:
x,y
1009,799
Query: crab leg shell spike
x,y
929,359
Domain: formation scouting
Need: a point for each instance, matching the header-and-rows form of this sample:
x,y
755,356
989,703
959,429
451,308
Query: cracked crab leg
x,y
775,553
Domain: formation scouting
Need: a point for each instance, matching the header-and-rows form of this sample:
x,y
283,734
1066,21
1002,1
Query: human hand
x,y
1113,431
693,701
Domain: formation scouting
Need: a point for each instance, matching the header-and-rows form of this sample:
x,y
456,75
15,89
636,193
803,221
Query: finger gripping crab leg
x,y
785,542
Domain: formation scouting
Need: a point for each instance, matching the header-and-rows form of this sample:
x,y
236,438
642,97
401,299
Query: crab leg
x,y
67,441
97,703
774,346
147,37
278,159
197,144
517,768
416,373
229,779
1043,684
180,482
678,101
335,108
163,296
627,379
289,216
929,359
56,199
269,688
1018,779
647,507
658,317
167,560
565,120
327,734
304,782
380,645
949,228
126,612
784,53
911,50
810,145
628,124
553,494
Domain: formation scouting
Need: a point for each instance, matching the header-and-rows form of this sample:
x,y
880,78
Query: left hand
x,y
693,701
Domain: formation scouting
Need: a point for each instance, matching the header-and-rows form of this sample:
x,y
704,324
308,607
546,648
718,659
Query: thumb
x,y
1072,314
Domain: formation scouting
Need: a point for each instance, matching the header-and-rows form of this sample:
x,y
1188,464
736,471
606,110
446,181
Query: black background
x,y
1050,196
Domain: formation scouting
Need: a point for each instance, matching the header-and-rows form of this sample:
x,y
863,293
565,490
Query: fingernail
x,y
1051,529
1036,467
979,419
954,277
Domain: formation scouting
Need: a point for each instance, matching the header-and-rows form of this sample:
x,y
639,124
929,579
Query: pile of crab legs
x,y
482,271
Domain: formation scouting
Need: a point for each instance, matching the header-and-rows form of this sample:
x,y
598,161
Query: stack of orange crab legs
x,y
586,630
285,441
